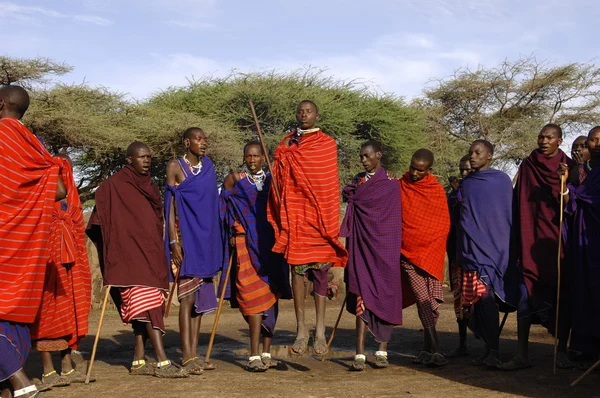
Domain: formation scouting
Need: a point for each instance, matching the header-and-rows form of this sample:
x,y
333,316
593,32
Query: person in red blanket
x,y
306,219
29,187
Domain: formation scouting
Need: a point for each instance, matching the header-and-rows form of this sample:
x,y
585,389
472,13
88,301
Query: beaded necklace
x,y
195,170
257,179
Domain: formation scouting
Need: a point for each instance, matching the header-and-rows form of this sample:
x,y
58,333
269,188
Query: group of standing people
x,y
502,245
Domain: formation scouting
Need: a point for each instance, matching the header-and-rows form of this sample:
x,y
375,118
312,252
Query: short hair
x,y
425,155
15,98
134,147
486,144
188,132
465,158
376,145
306,101
555,127
594,129
253,143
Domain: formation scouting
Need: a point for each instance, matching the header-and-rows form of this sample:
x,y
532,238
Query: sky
x,y
139,47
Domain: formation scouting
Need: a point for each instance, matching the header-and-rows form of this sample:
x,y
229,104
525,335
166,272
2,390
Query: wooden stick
x,y
587,372
172,292
264,149
562,198
337,322
219,308
91,365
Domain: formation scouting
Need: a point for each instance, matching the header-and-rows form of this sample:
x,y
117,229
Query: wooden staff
x,y
264,149
172,291
337,322
219,308
562,198
91,365
587,372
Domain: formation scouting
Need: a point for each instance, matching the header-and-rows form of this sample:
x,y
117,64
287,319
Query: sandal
x,y
193,367
207,366
480,360
437,360
517,363
75,376
320,347
141,368
422,358
359,363
492,362
53,379
168,370
255,364
300,345
268,361
381,360
28,392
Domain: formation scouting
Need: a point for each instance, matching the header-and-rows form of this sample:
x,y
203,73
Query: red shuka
x,y
306,222
28,182
67,289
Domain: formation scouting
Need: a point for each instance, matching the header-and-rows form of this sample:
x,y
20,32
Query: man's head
x,y
139,156
253,156
307,114
370,156
549,139
464,166
481,153
194,140
420,164
593,143
14,101
579,150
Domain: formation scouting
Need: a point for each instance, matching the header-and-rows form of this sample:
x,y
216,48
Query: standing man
x,y
374,243
581,155
193,242
425,228
259,277
484,237
464,167
306,220
127,228
29,187
62,319
537,225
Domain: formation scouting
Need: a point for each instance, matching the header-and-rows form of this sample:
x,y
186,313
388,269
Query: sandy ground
x,y
307,376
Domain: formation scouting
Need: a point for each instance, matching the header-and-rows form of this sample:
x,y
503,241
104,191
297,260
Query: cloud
x,y
29,13
192,25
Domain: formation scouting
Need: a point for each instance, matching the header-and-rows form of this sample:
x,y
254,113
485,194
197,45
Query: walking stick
x,y
562,185
91,365
221,299
337,322
264,149
587,372
172,292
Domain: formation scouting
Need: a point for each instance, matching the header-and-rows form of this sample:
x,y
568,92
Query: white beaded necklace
x,y
195,170
257,179
369,175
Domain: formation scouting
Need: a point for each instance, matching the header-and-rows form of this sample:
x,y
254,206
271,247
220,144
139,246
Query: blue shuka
x,y
484,231
197,205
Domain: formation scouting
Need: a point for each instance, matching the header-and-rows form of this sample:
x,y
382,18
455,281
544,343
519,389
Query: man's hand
x,y
176,254
581,156
563,171
232,241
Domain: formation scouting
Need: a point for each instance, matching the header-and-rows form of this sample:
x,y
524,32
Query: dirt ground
x,y
309,377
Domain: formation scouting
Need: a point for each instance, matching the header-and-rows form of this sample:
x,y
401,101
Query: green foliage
x,y
27,72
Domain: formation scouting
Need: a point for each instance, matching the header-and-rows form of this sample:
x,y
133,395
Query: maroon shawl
x,y
129,215
537,217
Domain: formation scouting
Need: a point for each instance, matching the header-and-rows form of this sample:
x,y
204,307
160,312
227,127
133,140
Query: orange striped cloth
x,y
136,300
468,288
253,295
28,181
306,222
66,302
425,224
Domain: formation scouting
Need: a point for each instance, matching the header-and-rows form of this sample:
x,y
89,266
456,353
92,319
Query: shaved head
x,y
14,101
135,146
425,155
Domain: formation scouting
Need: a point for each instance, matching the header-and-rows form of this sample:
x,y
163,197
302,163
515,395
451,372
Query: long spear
x,y
561,210
264,149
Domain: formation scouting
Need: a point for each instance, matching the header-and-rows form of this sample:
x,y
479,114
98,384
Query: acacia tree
x,y
507,105
29,72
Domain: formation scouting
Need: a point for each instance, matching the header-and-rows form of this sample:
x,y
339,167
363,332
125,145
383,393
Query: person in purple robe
x,y
372,228
484,241
193,240
583,202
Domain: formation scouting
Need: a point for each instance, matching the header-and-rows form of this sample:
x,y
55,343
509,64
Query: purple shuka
x,y
584,263
15,344
197,204
484,229
373,228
